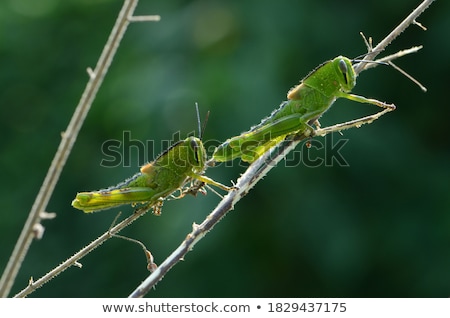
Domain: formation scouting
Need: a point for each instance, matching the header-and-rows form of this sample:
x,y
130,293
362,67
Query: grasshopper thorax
x,y
328,78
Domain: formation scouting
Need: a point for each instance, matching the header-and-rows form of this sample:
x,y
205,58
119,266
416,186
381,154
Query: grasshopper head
x,y
345,73
196,153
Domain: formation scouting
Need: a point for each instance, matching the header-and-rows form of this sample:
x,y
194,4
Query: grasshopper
x,y
306,103
184,161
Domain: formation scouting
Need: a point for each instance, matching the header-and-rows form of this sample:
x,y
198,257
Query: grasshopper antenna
x,y
198,121
201,128
367,61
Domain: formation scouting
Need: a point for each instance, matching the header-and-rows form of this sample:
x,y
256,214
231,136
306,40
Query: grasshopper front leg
x,y
210,181
364,100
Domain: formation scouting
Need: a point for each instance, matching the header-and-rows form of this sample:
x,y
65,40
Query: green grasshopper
x,y
306,103
184,161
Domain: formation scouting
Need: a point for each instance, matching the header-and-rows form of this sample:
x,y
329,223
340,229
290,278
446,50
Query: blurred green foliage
x,y
377,228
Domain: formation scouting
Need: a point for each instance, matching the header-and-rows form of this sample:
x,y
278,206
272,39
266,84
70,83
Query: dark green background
x,y
377,228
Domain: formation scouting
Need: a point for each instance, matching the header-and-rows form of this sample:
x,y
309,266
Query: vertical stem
x,y
65,147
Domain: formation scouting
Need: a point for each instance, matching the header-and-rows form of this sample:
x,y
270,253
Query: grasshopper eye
x,y
194,147
343,68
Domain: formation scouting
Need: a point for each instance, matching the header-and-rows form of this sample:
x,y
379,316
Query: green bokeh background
x,y
379,227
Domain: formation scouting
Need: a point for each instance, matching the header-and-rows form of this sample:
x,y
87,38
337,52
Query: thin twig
x,y
415,81
410,19
394,56
74,260
259,169
388,59
68,139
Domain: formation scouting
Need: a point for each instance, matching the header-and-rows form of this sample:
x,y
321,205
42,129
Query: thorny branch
x,y
261,167
73,260
410,19
32,227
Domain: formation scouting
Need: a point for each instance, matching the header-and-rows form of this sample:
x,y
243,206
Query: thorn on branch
x,y
38,231
78,264
47,215
91,73
144,18
420,25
